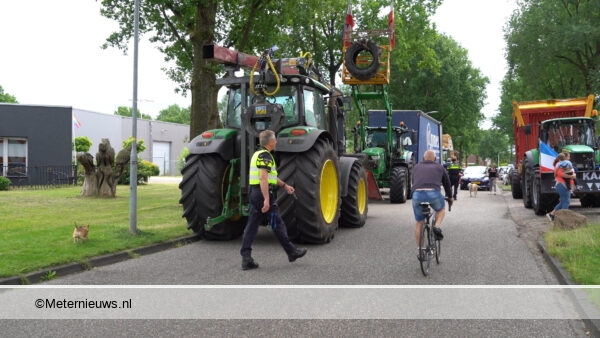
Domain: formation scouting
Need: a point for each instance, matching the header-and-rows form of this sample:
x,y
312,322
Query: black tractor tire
x,y
526,184
541,204
313,216
352,53
515,185
355,205
203,188
409,178
398,185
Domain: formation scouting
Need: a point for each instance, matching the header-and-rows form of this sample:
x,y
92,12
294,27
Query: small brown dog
x,y
473,189
80,233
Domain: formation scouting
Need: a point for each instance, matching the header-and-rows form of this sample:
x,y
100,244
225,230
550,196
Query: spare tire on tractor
x,y
361,71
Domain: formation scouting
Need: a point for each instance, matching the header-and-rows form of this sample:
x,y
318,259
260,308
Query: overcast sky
x,y
477,25
51,54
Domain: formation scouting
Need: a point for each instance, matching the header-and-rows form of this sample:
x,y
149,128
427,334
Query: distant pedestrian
x,y
493,176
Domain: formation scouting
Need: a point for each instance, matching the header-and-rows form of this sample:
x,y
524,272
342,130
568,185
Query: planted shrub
x,y
4,183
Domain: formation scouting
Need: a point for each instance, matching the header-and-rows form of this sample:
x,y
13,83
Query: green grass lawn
x,y
36,226
579,252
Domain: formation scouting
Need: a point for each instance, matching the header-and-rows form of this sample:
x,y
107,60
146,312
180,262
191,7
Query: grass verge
x,y
36,226
579,252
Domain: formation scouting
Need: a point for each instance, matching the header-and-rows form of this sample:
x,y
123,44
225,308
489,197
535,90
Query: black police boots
x,y
297,254
248,263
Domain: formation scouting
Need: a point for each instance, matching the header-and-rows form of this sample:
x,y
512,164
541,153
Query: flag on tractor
x,y
348,25
547,156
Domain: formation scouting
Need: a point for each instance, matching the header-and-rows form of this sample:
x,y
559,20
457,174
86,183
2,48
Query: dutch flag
x,y
547,156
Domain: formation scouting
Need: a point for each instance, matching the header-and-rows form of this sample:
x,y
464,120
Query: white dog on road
x,y
473,189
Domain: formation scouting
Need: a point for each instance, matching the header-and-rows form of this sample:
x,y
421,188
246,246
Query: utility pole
x,y
133,165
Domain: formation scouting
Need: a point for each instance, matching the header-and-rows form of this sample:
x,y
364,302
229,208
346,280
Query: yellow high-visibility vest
x,y
261,162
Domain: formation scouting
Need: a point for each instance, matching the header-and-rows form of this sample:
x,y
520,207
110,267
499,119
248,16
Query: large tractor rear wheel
x,y
203,188
313,216
355,203
398,185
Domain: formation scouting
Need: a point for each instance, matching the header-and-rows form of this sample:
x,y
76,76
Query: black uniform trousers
x,y
454,186
256,216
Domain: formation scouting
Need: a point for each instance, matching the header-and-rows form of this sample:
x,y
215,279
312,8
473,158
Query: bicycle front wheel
x,y
437,245
425,245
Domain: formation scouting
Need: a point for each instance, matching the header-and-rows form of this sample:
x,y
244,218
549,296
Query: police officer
x,y
454,173
263,182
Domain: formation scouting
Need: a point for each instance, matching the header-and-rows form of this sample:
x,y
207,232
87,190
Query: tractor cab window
x,y
234,108
564,134
377,139
286,96
314,109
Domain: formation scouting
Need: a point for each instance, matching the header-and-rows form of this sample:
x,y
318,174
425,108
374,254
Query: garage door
x,y
161,155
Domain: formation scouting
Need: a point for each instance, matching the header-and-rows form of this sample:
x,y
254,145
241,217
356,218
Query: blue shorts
x,y
434,197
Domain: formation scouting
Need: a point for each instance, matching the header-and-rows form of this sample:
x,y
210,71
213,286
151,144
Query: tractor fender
x,y
299,144
532,158
222,143
346,164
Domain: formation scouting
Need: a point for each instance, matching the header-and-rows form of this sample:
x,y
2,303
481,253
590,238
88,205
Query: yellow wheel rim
x,y
329,192
362,196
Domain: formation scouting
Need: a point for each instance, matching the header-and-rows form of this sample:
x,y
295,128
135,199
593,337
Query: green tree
x,y
174,114
493,144
6,97
456,91
82,144
552,52
553,48
181,28
128,111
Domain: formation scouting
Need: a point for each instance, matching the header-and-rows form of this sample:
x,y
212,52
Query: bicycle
x,y
429,246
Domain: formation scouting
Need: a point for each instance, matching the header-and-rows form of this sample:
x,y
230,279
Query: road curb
x,y
586,309
85,265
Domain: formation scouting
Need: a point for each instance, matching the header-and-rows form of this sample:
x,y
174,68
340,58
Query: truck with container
x,y
544,128
290,97
391,160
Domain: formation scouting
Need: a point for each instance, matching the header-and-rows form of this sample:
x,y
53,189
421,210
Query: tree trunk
x,y
102,180
204,112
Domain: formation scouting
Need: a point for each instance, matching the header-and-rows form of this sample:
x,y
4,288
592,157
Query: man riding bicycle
x,y
428,176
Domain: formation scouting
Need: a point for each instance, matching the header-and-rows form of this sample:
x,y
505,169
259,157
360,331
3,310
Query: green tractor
x,y
366,69
384,141
289,97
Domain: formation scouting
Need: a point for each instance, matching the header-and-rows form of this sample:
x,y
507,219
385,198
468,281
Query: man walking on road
x,y
263,183
454,173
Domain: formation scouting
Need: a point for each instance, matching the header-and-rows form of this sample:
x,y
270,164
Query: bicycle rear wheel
x,y
425,245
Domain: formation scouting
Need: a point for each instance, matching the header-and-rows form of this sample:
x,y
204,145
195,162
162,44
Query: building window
x,y
13,156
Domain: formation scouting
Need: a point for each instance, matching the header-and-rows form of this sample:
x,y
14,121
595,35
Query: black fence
x,y
22,176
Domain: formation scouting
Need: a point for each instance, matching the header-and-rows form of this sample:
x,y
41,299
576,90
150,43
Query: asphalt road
x,y
487,242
